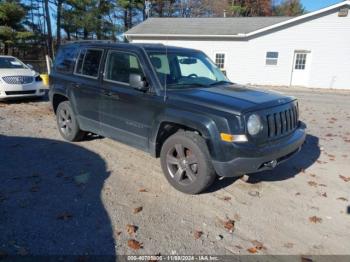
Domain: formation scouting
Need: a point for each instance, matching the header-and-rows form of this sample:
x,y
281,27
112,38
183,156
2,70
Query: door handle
x,y
106,93
76,85
110,94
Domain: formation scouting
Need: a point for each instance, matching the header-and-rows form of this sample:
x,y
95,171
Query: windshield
x,y
10,62
179,70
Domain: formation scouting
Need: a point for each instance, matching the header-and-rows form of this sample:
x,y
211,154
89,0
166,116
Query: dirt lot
x,y
63,198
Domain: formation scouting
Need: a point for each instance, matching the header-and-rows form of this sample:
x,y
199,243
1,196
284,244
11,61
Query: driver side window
x,y
195,65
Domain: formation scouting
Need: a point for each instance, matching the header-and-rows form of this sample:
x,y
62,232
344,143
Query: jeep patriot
x,y
175,104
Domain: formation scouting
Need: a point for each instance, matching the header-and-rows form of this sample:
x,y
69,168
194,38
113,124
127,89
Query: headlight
x,y
254,125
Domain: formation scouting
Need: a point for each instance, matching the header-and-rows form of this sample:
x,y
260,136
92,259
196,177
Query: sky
x,y
312,5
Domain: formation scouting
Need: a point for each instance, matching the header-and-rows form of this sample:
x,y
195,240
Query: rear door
x,y
85,89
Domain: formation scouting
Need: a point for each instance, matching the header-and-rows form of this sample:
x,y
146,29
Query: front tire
x,y
67,123
186,162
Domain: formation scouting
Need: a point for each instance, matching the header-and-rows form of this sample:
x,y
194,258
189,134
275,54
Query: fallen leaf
x,y
288,245
346,179
252,250
306,259
134,244
229,225
324,194
258,245
238,246
197,234
254,193
315,219
137,210
143,190
343,199
226,198
131,229
64,216
297,194
119,233
323,185
312,183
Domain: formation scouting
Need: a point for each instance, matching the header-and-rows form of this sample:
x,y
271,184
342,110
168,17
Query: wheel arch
x,y
57,99
175,120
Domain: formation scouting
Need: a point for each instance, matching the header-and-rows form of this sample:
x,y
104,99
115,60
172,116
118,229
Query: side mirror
x,y
30,66
136,81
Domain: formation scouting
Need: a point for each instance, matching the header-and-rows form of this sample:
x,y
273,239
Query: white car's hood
x,y
17,72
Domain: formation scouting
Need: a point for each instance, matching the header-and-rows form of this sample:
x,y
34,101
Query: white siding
x,y
326,37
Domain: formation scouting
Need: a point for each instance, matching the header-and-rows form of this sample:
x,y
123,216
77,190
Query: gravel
x,y
78,198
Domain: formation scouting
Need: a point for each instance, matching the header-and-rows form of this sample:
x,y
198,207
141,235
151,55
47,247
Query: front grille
x,y
283,122
18,80
13,93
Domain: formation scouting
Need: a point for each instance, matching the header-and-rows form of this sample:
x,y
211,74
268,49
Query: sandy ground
x,y
63,198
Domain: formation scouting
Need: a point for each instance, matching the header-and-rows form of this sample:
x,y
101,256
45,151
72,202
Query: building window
x,y
220,60
300,62
271,58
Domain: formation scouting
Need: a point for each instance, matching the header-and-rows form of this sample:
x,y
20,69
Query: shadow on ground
x,y
308,155
50,199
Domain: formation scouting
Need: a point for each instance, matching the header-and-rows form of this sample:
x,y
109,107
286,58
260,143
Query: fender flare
x,y
203,124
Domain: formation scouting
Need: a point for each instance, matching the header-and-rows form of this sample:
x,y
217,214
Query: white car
x,y
18,79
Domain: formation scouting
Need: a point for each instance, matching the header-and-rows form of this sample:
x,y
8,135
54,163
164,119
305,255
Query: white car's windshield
x,y
180,70
10,62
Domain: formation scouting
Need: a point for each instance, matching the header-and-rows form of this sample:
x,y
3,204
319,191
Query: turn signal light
x,y
226,137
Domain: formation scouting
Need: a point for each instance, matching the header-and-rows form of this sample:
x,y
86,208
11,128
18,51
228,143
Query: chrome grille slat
x,y
18,80
282,122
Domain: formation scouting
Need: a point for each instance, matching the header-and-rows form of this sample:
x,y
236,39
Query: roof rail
x,y
93,41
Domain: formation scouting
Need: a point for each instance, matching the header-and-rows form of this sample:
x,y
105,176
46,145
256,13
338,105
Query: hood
x,y
17,72
234,99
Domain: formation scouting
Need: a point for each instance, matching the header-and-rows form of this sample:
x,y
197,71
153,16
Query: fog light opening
x,y
271,164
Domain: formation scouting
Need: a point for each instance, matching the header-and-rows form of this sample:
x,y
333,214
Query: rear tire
x,y
67,123
186,162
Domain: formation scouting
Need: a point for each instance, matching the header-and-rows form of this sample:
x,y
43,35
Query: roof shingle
x,y
204,26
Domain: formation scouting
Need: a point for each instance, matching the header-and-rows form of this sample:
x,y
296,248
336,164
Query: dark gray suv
x,y
175,104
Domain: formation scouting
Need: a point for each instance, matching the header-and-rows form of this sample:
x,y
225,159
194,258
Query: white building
x,y
311,50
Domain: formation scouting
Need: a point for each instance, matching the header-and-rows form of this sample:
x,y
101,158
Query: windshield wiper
x,y
221,83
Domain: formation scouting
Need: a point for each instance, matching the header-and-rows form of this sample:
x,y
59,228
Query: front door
x,y
301,68
127,114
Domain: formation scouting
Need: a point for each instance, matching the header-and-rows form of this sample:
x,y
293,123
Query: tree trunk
x,y
126,19
49,31
58,22
86,34
129,17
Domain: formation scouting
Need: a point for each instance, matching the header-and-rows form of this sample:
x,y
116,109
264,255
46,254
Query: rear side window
x,y
88,62
65,59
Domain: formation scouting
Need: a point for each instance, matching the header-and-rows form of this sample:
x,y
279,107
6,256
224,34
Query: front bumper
x,y
259,158
34,89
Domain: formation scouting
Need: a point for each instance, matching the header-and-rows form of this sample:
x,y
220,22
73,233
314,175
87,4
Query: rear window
x,y
88,62
65,59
